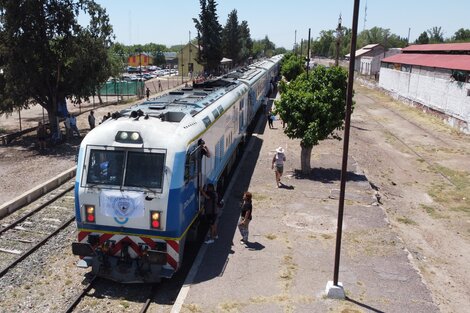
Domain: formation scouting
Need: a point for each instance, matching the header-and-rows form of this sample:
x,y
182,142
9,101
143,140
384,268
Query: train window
x,y
144,170
215,113
105,167
220,108
190,166
206,121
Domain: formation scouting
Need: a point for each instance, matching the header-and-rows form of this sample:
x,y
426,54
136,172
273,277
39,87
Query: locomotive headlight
x,y
124,135
155,220
90,213
128,137
135,136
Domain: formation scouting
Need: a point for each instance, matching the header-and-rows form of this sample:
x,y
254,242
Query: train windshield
x,y
144,170
106,167
126,168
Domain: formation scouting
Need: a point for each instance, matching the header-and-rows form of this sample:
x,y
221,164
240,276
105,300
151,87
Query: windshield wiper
x,y
148,189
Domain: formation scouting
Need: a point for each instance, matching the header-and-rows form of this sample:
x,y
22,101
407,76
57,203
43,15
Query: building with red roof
x,y
434,76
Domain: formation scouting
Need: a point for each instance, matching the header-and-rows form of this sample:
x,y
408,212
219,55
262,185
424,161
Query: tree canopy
x,y
314,108
47,56
231,38
292,66
209,36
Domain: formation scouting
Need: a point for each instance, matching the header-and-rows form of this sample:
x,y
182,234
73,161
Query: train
x,y
139,173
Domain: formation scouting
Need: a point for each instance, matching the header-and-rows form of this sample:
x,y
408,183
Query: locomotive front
x,y
121,202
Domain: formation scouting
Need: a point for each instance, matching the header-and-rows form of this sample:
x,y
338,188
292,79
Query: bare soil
x,y
419,166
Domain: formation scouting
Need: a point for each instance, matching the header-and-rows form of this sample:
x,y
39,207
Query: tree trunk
x,y
305,156
54,126
99,97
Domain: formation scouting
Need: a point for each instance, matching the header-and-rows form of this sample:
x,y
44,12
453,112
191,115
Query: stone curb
x,y
35,193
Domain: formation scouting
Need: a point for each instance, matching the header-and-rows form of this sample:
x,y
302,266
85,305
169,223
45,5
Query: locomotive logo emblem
x,y
122,206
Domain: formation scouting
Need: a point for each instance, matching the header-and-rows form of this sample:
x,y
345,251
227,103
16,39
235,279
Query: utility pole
x,y
308,52
295,42
335,289
338,39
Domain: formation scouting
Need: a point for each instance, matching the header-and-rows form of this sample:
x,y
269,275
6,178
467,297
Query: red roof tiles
x,y
448,61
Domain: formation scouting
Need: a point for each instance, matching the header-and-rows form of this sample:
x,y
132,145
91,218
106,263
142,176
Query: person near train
x,y
245,217
210,211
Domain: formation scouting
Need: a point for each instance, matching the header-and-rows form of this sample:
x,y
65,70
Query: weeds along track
x,y
407,143
29,228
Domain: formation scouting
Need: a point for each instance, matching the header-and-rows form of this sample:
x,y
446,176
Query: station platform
x,y
289,259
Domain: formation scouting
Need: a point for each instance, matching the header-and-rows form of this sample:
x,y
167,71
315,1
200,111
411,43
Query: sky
x,y
285,22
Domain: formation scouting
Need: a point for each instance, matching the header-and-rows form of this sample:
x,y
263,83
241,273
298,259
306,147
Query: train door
x,y
193,173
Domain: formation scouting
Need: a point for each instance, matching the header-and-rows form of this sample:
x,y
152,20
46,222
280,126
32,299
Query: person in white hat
x,y
278,160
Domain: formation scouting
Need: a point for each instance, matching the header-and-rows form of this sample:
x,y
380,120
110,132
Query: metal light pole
x,y
335,289
308,52
338,34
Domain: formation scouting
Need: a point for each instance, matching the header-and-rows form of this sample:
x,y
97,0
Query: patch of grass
x,y
432,211
124,304
406,220
453,196
192,307
230,306
3,131
260,197
326,236
271,236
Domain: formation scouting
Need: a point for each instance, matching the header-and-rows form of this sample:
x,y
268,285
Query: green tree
x,y
209,36
422,39
246,42
325,45
314,108
263,48
292,66
462,35
436,34
231,38
47,56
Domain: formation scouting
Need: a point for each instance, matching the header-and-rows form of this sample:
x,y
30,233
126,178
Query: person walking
x,y
91,119
211,206
73,125
278,161
160,86
147,92
270,119
245,217
42,134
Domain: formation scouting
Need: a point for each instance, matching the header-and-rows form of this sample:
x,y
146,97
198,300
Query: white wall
x,y
432,88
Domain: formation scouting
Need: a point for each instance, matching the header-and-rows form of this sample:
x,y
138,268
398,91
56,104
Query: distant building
x,y
171,59
434,76
368,58
187,61
140,59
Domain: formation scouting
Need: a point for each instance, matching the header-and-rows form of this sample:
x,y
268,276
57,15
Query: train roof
x,y
175,105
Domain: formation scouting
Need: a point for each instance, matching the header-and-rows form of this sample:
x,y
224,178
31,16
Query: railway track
x,y
30,227
408,145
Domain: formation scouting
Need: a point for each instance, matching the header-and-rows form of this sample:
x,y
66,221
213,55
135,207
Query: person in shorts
x,y
278,161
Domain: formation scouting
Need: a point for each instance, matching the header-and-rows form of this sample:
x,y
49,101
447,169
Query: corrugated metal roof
x,y
465,46
365,49
448,61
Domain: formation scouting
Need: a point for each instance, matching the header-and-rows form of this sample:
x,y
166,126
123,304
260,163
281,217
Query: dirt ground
x,y
419,166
